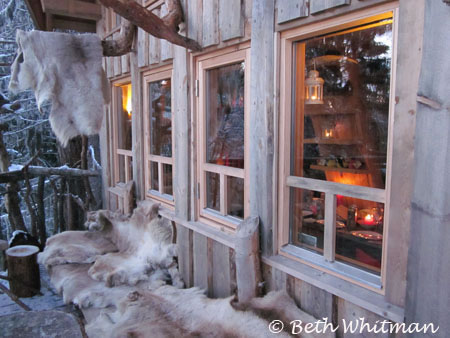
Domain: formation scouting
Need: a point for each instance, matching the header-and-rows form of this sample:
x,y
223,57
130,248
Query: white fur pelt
x,y
145,244
77,287
172,312
124,250
65,69
82,246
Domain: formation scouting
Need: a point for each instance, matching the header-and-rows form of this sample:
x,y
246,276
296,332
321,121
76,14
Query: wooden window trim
x,y
161,73
330,189
113,127
207,216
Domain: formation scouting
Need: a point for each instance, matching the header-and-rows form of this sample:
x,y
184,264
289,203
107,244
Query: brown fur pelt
x,y
65,69
172,312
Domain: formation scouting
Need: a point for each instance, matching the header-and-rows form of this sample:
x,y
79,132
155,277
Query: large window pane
x,y
360,241
225,115
343,138
160,118
124,112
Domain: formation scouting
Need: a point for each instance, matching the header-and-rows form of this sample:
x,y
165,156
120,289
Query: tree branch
x,y
121,45
165,28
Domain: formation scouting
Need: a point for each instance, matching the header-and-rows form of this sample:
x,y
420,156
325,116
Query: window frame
x,y
116,151
159,195
209,216
326,262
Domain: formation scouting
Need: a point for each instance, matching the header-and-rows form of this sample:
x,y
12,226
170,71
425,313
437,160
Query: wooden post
x,y
428,273
23,270
3,247
261,140
248,268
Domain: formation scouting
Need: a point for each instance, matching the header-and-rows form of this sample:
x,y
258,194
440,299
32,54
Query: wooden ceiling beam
x,y
73,8
36,12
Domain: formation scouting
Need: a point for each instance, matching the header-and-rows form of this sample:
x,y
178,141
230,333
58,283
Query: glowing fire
x,y
126,99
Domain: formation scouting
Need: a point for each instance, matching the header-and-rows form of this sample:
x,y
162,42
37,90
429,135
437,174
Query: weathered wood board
x,y
290,10
200,260
231,19
221,270
210,23
317,6
143,48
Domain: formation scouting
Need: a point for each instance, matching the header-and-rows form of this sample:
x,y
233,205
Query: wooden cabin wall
x,y
207,258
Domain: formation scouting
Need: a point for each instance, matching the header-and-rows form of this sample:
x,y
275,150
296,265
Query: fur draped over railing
x,y
66,70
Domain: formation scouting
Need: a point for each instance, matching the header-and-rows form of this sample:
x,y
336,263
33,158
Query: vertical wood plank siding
x,y
290,10
137,125
231,19
185,254
143,48
200,248
166,47
206,263
221,270
154,45
210,23
427,297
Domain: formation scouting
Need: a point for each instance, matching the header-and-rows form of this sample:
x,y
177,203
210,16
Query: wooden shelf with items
x,y
342,170
335,141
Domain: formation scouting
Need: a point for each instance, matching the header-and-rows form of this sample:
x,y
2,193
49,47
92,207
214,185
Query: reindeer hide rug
x,y
65,69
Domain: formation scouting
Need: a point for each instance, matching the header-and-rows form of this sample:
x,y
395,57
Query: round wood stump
x,y
23,270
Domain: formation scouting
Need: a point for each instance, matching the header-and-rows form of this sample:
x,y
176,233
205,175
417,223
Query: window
x,y
122,133
158,135
335,118
222,137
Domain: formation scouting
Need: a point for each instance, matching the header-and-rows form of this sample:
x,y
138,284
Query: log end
x,y
22,251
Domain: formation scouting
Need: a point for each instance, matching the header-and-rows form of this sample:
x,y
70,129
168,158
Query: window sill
x,y
355,294
223,237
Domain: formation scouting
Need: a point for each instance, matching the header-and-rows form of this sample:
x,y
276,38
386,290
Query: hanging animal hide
x,y
65,69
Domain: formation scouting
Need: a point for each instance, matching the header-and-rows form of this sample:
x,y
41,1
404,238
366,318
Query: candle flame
x,y
369,218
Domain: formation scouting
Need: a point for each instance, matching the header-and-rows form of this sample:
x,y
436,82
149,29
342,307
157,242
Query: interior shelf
x,y
327,112
318,140
342,170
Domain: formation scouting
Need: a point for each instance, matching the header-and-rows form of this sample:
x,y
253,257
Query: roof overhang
x,y
78,15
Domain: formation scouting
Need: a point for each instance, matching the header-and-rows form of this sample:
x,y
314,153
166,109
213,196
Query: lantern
x,y
314,88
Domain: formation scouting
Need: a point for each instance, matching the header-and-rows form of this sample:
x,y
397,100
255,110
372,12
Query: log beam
x,y
166,28
17,175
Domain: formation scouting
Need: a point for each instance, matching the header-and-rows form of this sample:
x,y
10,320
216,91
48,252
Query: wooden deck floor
x,y
49,300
